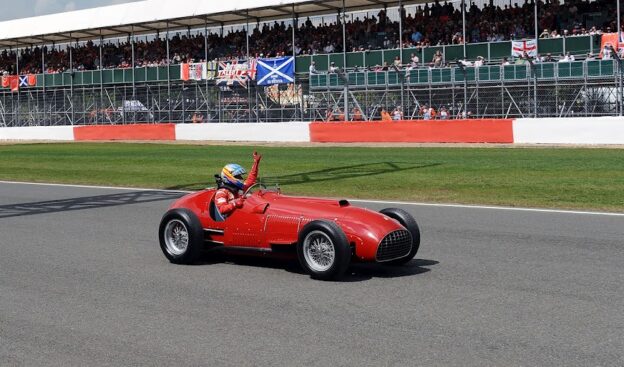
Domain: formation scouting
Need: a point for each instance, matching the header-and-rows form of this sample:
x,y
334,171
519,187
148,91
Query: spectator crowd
x,y
426,25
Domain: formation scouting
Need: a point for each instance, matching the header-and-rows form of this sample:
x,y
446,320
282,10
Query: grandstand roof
x,y
149,16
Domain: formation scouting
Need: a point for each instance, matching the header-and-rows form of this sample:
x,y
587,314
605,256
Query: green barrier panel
x,y
393,78
318,81
419,76
443,75
163,73
576,69
107,76
390,55
337,59
174,72
373,58
358,79
408,52
322,62
593,68
578,44
552,46
355,59
607,67
97,77
78,78
498,50
127,75
564,70
140,74
66,79
429,52
40,78
546,70
118,76
152,74
335,80
453,53
87,78
483,73
476,49
302,64
376,78
57,80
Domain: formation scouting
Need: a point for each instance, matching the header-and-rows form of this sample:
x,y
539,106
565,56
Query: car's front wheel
x,y
323,250
407,221
181,236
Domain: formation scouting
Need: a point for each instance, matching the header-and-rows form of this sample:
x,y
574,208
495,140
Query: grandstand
x,y
122,64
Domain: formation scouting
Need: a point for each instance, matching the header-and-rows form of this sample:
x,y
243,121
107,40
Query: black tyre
x,y
323,250
410,224
181,236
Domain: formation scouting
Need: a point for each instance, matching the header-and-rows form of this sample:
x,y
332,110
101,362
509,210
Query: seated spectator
x,y
590,57
480,61
333,69
397,62
549,58
312,68
438,59
197,118
505,61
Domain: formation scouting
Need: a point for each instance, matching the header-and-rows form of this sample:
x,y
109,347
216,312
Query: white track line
x,y
462,206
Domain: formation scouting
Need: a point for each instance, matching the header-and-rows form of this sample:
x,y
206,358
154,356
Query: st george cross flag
x,y
193,71
280,70
518,48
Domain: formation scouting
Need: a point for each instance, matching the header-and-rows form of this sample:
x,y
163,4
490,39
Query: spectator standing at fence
x,y
444,115
313,68
397,114
415,60
333,69
426,112
197,118
385,116
357,114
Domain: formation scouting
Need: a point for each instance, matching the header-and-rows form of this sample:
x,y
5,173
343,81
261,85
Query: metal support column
x,y
17,71
344,60
294,54
206,99
168,63
400,75
463,6
71,80
101,67
248,64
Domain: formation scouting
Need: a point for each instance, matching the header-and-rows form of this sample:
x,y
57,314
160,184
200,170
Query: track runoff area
x,y
84,283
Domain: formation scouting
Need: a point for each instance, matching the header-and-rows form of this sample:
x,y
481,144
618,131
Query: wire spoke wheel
x,y
176,237
319,251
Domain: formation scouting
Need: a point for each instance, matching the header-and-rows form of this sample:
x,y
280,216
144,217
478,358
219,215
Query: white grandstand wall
x,y
54,133
264,132
577,130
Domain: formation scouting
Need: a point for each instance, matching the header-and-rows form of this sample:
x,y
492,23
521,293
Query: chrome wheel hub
x,y
319,251
176,237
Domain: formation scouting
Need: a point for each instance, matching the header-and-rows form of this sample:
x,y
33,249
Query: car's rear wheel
x,y
407,221
181,236
323,250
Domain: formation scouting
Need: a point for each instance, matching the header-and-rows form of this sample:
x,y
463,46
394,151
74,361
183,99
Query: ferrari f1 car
x,y
325,235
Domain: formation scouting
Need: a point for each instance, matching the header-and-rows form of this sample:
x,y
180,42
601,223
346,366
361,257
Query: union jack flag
x,y
236,72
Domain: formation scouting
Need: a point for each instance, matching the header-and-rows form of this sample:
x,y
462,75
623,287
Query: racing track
x,y
83,282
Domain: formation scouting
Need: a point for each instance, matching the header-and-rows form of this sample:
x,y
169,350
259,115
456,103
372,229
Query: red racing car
x,y
326,235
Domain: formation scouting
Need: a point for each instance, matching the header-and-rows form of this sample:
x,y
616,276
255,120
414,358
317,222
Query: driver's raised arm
x,y
253,174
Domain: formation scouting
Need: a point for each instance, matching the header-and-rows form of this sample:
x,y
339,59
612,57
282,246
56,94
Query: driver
x,y
228,197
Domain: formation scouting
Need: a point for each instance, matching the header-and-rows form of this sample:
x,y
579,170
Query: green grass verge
x,y
533,177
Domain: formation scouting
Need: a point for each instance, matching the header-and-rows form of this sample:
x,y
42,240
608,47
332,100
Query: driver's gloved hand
x,y
239,202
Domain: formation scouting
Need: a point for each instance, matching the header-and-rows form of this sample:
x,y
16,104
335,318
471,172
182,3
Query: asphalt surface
x,y
83,283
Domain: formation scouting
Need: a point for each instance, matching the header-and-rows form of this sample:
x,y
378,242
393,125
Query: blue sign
x,y
280,70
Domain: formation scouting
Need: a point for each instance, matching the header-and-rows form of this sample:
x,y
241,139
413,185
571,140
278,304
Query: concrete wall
x,y
57,133
577,130
603,130
265,132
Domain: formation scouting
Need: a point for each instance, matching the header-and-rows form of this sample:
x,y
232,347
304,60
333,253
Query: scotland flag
x,y
280,70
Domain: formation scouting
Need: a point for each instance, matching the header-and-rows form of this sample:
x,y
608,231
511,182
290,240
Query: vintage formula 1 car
x,y
325,235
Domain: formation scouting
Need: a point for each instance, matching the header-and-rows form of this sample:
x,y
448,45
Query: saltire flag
x,y
279,70
518,48
193,71
236,72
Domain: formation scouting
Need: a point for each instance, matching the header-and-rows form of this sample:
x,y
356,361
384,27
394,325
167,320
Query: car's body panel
x,y
268,219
